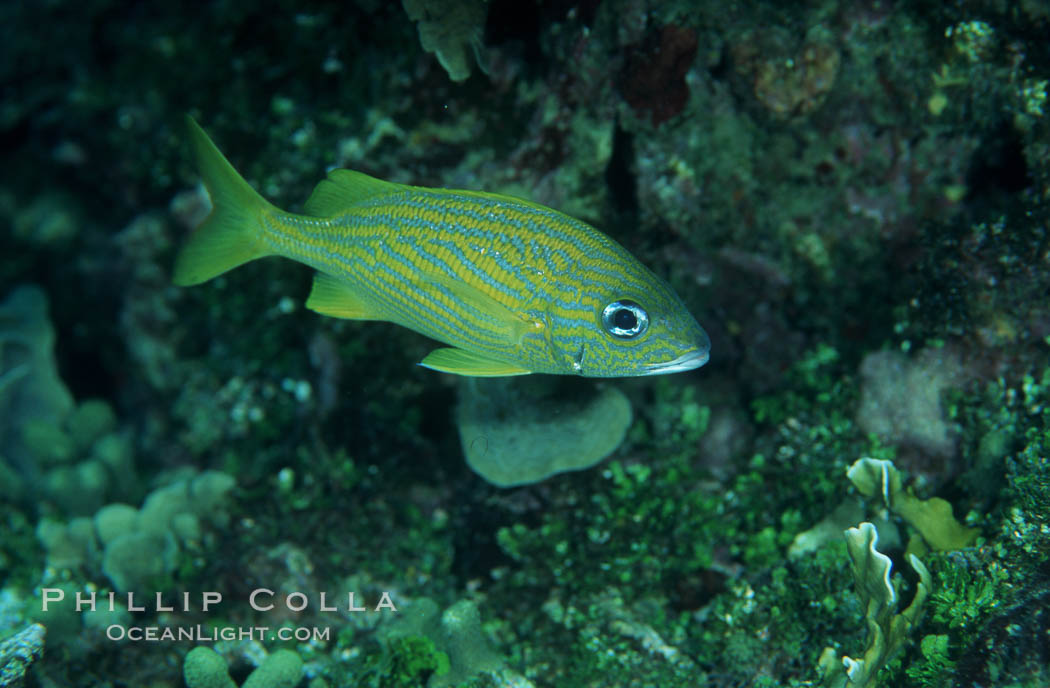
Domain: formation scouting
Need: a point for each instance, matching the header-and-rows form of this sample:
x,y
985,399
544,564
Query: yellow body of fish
x,y
514,287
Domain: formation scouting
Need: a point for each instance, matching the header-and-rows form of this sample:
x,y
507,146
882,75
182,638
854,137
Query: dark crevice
x,y
511,21
998,169
620,175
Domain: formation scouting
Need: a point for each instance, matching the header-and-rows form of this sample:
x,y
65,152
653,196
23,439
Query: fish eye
x,y
625,319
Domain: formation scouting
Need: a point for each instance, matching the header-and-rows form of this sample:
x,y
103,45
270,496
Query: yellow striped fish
x,y
514,287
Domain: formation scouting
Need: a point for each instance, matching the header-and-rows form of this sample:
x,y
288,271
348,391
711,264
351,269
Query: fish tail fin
x,y
232,234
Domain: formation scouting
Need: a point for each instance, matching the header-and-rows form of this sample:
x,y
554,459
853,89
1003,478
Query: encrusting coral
x,y
205,668
70,455
171,519
516,433
448,28
19,652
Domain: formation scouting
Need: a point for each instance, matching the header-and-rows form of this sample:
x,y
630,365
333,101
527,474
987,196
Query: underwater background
x,y
852,197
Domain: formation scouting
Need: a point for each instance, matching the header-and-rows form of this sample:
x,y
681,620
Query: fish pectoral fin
x,y
334,297
462,362
506,321
344,189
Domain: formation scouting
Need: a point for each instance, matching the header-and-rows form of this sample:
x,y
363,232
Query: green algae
x,y
409,661
889,630
931,517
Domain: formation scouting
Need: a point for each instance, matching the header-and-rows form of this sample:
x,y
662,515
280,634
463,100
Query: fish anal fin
x,y
462,362
343,189
333,297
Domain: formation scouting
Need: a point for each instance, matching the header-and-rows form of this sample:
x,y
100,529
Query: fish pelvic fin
x,y
232,234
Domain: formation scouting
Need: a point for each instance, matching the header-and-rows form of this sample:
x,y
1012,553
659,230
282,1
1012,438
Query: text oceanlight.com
x,y
199,633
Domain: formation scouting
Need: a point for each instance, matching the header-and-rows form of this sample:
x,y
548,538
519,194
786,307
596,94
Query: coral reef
x,y
139,549
205,668
788,81
461,650
30,388
901,398
18,652
653,78
67,455
853,194
448,28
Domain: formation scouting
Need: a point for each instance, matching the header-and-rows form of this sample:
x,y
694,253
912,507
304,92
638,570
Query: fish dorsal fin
x,y
504,198
334,297
344,189
461,362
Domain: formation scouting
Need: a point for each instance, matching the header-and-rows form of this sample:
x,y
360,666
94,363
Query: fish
x,y
511,286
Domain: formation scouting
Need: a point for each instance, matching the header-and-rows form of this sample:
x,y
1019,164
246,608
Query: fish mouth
x,y
688,361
